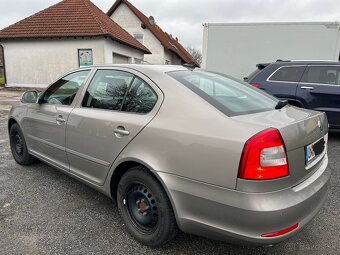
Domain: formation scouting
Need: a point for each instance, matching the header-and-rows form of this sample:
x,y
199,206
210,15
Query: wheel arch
x,y
11,121
296,103
124,166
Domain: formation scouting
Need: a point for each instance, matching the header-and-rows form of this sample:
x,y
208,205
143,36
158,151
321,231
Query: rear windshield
x,y
230,96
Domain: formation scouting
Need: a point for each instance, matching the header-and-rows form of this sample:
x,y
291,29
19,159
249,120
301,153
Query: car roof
x,y
146,68
306,62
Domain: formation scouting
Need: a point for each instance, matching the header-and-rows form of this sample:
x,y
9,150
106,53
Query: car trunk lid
x,y
300,130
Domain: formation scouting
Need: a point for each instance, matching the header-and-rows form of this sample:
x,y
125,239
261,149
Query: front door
x,y
319,89
45,123
115,108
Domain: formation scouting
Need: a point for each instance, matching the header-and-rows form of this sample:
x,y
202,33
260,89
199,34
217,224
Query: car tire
x,y
19,147
145,207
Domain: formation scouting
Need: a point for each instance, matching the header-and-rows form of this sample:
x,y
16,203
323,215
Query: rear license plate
x,y
314,149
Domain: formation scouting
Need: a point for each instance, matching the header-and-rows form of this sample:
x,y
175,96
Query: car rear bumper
x,y
233,216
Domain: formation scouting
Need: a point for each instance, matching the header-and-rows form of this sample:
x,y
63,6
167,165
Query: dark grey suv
x,y
308,84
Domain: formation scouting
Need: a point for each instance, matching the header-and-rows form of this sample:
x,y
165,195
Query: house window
x,y
138,37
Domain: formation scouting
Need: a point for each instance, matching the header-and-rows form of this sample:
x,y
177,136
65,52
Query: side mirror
x,y
29,97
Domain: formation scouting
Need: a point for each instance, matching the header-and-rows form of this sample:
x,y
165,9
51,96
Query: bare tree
x,y
195,53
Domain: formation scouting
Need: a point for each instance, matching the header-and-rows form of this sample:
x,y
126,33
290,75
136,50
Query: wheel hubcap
x,y
142,207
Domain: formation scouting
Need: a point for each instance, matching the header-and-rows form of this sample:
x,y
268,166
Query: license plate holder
x,y
314,149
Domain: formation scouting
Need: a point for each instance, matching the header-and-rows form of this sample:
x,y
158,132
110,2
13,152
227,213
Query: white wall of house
x,y
124,17
37,63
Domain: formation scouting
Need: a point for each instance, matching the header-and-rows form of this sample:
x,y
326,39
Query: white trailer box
x,y
236,48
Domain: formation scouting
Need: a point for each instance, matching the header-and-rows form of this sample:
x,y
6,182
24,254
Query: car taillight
x,y
255,85
264,157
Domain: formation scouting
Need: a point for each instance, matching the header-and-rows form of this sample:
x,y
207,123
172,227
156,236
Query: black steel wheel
x,y
145,207
18,146
142,207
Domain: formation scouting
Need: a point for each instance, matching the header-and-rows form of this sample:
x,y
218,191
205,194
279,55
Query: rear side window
x,y
107,90
322,75
119,91
141,98
228,95
288,74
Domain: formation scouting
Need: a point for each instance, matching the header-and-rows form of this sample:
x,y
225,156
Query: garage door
x,y
120,59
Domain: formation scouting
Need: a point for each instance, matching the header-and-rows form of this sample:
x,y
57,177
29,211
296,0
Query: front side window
x,y
322,75
119,91
64,90
226,94
288,74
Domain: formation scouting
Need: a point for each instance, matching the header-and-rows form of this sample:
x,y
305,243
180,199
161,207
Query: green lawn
x,y
2,80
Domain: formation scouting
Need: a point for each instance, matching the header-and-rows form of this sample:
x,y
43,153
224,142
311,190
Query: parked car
x,y
307,84
179,147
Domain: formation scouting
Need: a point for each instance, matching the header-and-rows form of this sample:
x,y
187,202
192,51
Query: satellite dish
x,y
152,20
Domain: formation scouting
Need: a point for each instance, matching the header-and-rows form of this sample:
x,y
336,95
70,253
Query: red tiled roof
x,y
168,42
70,18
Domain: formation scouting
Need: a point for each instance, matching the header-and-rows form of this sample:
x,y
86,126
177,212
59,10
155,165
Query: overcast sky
x,y
184,18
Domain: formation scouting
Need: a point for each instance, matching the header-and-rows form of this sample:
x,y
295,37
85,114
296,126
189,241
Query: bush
x,y
2,80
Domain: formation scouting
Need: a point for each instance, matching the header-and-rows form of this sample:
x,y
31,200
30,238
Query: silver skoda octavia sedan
x,y
180,148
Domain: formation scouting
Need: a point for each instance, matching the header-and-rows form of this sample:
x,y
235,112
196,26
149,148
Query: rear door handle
x,y
120,131
60,120
307,87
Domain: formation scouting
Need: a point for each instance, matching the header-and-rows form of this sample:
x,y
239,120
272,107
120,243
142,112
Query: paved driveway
x,y
43,211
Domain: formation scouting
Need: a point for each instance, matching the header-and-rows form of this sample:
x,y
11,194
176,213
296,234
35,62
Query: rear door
x,y
283,82
319,89
116,106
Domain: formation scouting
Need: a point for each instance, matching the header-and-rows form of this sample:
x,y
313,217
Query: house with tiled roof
x,y
69,34
165,48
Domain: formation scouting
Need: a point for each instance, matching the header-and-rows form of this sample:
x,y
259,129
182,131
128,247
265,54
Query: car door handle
x,y
120,131
60,120
307,87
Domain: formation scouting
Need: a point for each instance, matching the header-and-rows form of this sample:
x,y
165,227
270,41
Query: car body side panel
x,y
187,135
